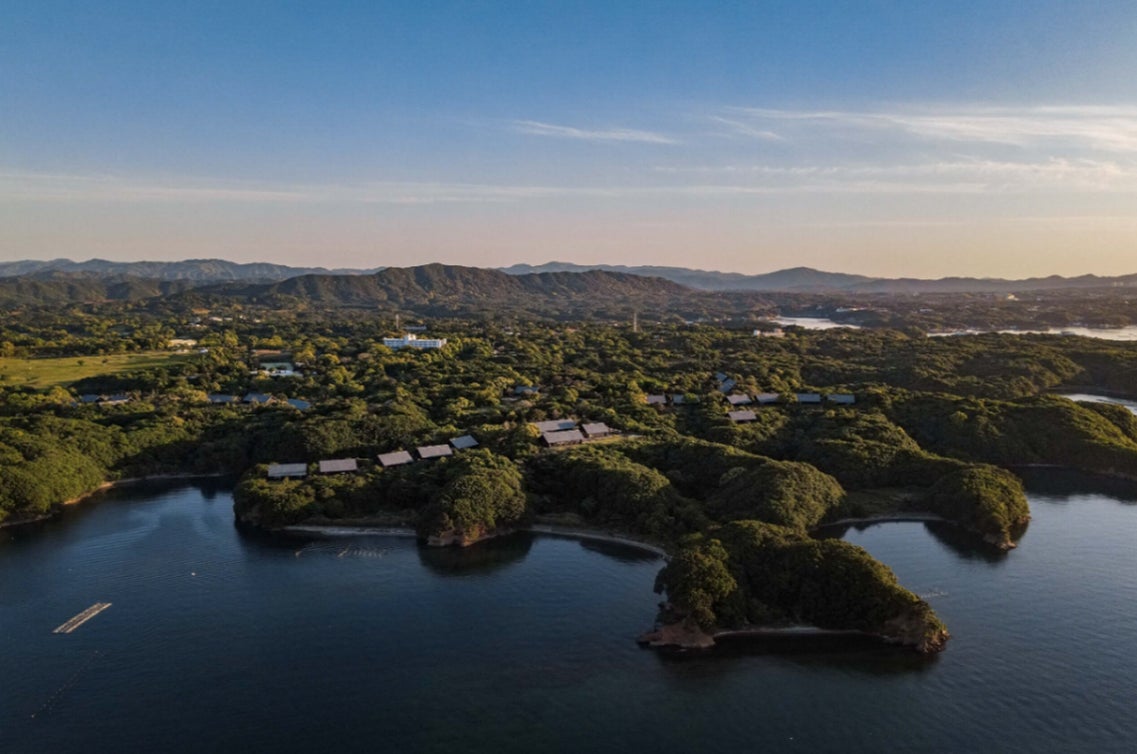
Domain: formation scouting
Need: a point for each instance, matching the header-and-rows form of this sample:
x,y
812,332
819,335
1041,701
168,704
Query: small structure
x,y
774,333
720,376
657,400
739,399
846,399
563,437
89,398
223,398
727,386
257,399
278,369
809,398
741,417
526,390
339,466
428,452
596,429
464,442
396,458
182,342
114,400
678,399
765,399
410,340
298,404
555,425
287,470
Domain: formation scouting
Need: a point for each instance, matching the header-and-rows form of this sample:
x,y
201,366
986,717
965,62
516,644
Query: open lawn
x,y
45,373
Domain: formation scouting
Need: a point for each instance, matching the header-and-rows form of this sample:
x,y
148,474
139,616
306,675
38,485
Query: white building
x,y
410,340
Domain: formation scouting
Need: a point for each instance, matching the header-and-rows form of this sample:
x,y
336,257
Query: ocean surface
x,y
219,639
1088,398
1128,332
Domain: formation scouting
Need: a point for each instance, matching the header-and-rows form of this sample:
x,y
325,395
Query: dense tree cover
x,y
481,495
752,573
1038,430
984,499
930,415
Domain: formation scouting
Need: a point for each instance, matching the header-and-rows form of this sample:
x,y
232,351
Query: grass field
x,y
45,373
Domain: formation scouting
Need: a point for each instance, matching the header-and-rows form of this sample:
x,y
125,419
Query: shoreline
x,y
57,509
550,530
597,535
884,518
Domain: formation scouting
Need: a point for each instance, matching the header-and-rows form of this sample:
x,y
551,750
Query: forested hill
x,y
798,279
196,270
434,289
806,279
438,284
57,288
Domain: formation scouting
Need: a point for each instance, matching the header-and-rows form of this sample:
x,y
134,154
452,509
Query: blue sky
x,y
892,138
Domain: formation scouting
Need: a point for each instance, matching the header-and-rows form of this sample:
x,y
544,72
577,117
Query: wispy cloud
x,y
43,187
990,175
1101,128
739,128
538,128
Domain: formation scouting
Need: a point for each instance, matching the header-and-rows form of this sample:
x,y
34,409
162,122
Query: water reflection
x,y
1063,483
625,553
484,557
849,653
968,545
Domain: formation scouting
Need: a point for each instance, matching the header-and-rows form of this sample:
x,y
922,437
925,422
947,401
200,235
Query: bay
x,y
224,639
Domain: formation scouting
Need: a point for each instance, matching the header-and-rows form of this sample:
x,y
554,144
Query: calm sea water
x,y
223,640
1129,332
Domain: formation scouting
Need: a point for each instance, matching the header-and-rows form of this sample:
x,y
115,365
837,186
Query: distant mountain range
x,y
196,270
122,279
434,289
808,280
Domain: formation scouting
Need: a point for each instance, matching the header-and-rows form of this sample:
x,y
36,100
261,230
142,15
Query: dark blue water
x,y
219,640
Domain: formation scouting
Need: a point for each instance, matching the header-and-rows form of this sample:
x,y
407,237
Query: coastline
x,y
594,535
884,518
105,487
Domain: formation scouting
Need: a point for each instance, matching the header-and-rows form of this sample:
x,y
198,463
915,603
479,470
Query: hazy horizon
x,y
925,140
365,268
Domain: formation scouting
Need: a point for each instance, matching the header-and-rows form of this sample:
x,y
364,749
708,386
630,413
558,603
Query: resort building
x,y
739,417
339,466
764,399
396,458
563,437
596,429
428,452
846,399
555,425
410,340
464,442
287,470
809,397
739,399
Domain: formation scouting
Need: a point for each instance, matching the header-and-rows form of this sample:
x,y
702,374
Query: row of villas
x,y
556,432
766,399
386,460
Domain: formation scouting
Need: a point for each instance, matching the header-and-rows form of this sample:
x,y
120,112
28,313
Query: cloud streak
x,y
537,128
1097,128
